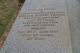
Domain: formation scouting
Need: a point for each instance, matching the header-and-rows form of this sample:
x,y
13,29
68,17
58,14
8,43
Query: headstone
x,y
41,27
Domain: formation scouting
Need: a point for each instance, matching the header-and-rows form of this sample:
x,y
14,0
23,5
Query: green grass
x,y
7,12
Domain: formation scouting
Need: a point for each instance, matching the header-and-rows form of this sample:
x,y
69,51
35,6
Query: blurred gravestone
x,y
41,27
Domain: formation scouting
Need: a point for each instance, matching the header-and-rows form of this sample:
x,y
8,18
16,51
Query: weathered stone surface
x,y
74,17
41,27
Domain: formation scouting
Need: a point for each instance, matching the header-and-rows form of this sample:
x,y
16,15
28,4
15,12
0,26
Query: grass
x,y
8,9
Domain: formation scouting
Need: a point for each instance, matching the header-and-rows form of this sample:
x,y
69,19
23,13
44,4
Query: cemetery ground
x,y
8,11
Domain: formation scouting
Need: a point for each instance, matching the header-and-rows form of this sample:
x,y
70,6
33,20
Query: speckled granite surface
x,y
15,44
73,7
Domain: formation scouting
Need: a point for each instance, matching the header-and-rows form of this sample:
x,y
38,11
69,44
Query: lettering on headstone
x,y
42,23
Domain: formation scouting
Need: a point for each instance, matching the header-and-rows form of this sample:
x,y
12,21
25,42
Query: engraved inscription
x,y
41,24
